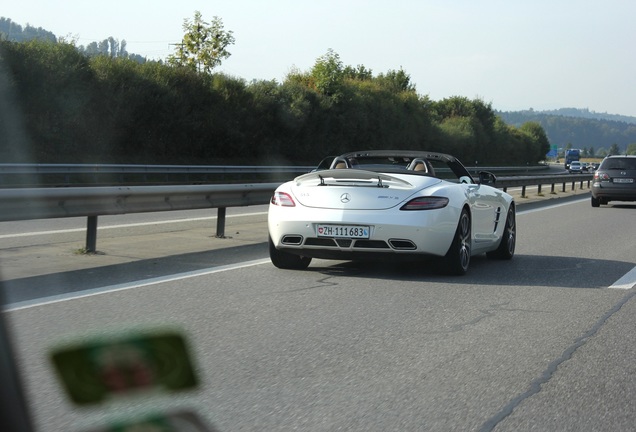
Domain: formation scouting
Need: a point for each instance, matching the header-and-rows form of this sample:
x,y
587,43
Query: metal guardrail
x,y
69,169
525,181
35,169
56,175
91,202
44,203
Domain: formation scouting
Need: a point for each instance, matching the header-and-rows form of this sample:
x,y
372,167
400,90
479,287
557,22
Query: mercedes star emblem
x,y
345,198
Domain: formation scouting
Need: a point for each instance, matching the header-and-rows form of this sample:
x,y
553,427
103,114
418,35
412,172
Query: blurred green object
x,y
99,369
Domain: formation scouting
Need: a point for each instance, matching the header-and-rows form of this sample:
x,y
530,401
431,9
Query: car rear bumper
x,y
420,233
612,192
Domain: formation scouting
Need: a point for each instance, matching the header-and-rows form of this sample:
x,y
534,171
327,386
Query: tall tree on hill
x,y
204,45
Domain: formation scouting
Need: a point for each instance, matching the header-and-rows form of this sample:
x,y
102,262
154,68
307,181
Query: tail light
x,y
282,199
601,176
425,203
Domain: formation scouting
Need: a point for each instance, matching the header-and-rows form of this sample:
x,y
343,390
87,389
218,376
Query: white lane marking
x,y
626,282
99,228
131,285
552,206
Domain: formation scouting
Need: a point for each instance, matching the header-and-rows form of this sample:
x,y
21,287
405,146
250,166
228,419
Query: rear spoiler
x,y
350,177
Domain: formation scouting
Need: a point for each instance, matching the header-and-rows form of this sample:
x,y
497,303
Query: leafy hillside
x,y
580,127
13,32
586,113
9,30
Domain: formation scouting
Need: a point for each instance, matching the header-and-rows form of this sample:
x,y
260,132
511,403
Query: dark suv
x,y
614,180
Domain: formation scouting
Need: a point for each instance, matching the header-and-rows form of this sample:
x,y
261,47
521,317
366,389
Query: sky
x,y
514,54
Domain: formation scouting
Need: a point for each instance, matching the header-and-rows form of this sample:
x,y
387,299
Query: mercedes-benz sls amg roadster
x,y
391,204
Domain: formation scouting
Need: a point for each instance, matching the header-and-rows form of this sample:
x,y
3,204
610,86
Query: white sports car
x,y
396,204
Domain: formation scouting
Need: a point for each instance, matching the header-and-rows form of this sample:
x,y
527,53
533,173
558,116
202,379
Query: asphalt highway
x,y
542,342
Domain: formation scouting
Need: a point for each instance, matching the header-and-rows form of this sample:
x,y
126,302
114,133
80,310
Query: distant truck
x,y
571,156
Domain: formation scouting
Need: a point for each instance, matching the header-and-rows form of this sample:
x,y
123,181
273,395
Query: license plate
x,y
343,231
623,180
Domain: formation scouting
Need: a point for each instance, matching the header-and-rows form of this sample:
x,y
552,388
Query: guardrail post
x,y
552,189
91,234
539,189
523,191
563,189
220,222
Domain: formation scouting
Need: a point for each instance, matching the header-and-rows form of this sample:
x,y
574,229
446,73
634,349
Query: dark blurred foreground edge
x,y
14,416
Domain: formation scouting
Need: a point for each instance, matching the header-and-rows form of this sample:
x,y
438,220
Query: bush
x,y
114,110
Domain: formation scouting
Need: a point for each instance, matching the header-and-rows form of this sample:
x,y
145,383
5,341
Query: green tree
x,y
396,81
204,45
52,81
539,139
481,118
631,149
455,106
614,150
328,74
459,137
359,72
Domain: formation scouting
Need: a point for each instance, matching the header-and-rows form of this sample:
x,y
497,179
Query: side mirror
x,y
487,178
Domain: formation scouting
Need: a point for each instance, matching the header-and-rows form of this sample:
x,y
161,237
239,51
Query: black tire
x,y
286,260
457,258
506,249
596,202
